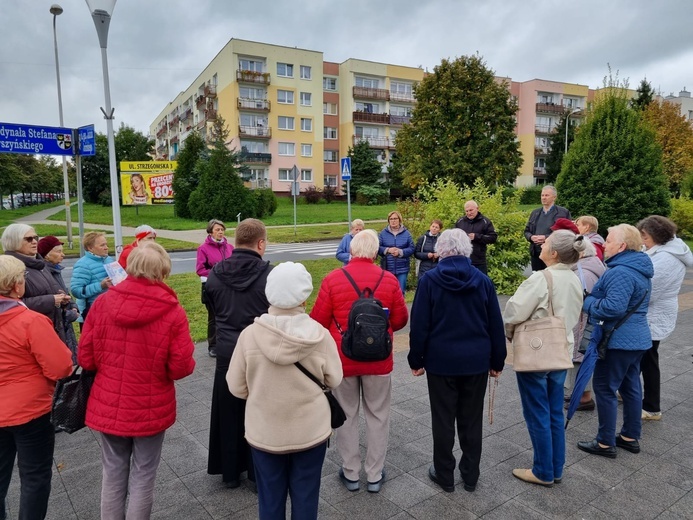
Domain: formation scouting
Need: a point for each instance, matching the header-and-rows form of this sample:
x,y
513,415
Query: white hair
x,y
365,244
453,242
13,235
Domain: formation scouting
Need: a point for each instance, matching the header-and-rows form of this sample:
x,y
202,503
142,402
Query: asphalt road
x,y
184,262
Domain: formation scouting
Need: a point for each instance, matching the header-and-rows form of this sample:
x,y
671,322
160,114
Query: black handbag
x,y
337,415
70,401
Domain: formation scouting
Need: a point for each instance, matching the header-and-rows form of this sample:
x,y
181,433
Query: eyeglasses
x,y
30,239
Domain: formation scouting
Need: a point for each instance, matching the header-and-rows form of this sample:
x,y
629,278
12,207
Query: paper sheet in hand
x,y
115,272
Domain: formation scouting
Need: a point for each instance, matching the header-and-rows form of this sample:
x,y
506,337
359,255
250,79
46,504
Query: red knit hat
x,y
565,223
46,244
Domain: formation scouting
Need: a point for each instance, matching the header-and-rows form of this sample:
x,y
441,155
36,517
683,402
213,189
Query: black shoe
x,y
594,448
631,446
432,475
469,487
213,352
557,480
233,484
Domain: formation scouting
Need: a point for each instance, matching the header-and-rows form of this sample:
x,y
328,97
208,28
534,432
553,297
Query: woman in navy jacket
x,y
396,246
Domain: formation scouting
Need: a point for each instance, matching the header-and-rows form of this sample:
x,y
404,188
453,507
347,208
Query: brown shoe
x,y
528,476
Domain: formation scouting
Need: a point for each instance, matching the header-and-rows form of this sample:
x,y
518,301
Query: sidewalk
x,y
657,483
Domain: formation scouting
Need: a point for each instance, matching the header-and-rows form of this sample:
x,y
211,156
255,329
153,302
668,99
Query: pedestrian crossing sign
x,y
346,168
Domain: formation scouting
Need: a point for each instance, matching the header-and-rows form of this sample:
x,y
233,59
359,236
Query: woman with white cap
x,y
287,417
143,232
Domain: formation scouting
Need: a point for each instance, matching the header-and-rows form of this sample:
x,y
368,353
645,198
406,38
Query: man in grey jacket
x,y
538,226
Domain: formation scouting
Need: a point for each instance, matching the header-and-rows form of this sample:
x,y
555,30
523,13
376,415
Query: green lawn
x,y
8,216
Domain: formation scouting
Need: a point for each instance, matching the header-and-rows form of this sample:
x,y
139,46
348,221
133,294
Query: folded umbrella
x,y
584,372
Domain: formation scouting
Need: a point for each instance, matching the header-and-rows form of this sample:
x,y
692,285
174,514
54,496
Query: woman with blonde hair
x,y
89,278
396,247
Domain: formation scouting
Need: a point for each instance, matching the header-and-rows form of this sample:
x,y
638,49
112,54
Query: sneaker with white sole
x,y
651,416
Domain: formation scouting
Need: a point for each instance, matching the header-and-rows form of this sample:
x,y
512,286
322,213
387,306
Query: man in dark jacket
x,y
480,231
538,226
236,292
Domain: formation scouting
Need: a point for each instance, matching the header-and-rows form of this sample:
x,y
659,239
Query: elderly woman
x,y
213,250
368,382
396,246
143,233
41,293
138,341
32,358
287,418
425,249
89,278
542,392
344,248
670,257
457,339
622,292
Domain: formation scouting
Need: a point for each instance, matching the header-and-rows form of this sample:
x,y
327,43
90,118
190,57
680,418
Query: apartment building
x,y
685,103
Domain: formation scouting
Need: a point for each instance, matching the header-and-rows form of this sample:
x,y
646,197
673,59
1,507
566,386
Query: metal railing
x,y
255,131
371,93
253,104
251,76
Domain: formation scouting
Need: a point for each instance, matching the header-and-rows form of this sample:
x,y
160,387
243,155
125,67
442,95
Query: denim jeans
x,y
542,405
619,371
33,444
402,279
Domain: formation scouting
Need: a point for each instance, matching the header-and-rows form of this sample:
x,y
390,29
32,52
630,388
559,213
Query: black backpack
x,y
367,337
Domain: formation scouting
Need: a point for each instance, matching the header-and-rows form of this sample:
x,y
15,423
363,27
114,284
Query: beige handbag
x,y
541,345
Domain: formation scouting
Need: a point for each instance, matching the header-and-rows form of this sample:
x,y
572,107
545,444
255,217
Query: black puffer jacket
x,y
484,234
424,245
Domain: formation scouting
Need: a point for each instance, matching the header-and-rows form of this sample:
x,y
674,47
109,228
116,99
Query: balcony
x,y
201,124
161,131
251,76
258,132
544,129
540,172
367,117
371,93
211,91
200,102
174,139
186,114
541,150
550,108
260,105
401,97
400,120
256,158
210,114
373,142
258,184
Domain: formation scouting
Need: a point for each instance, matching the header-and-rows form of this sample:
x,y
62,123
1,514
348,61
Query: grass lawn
x,y
8,216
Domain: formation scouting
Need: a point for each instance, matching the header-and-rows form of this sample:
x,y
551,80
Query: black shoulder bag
x,y
337,415
606,335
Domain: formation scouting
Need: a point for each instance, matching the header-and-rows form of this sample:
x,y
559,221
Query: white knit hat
x,y
288,285
144,230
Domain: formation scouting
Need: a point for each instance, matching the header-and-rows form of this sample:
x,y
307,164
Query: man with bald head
x,y
480,231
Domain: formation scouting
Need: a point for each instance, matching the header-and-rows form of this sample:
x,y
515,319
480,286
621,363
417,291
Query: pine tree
x,y
186,177
644,97
365,168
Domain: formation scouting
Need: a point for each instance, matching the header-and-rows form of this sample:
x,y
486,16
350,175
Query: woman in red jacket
x,y
138,340
367,381
32,358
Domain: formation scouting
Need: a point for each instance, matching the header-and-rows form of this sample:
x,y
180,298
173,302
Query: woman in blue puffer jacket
x,y
89,278
396,246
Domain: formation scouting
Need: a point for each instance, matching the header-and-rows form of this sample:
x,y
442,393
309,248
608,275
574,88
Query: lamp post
x,y
567,121
55,11
101,12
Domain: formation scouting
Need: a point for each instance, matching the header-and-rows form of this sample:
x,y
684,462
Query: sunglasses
x,y
34,238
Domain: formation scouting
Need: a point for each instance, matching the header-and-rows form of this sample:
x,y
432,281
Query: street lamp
x,y
567,121
55,11
101,11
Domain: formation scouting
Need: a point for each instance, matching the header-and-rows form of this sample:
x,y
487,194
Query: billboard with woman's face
x,y
147,182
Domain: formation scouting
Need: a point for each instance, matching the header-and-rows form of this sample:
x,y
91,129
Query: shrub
x,y
372,195
531,195
312,195
105,198
682,215
329,193
265,202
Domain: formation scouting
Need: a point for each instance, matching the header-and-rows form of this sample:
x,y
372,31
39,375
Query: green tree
x,y
644,97
365,168
186,177
614,168
462,128
220,193
554,160
11,176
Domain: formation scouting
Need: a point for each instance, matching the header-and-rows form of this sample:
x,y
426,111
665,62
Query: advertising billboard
x,y
147,182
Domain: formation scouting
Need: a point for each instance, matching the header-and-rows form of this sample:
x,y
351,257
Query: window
x,y
285,70
368,108
307,175
285,96
257,174
544,98
403,89
246,64
306,124
286,123
287,149
306,150
253,120
306,99
305,72
569,102
330,133
367,82
329,109
329,83
400,111
330,156
331,180
252,93
285,174
253,146
540,162
366,131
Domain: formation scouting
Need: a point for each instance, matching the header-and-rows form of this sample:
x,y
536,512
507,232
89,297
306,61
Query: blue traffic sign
x,y
27,139
346,168
86,140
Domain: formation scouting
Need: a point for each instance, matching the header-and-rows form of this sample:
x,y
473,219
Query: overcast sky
x,y
156,48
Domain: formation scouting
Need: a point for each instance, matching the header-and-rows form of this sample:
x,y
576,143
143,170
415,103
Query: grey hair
x,y
212,223
550,187
567,245
453,242
356,222
365,244
13,235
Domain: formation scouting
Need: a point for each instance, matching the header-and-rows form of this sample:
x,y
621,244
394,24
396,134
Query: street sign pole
x,y
294,191
345,166
349,203
86,145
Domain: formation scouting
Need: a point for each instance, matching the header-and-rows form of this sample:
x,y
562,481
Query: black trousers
x,y
482,267
537,263
649,368
461,399
33,444
211,321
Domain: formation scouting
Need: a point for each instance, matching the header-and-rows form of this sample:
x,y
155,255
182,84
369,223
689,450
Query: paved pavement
x,y
657,483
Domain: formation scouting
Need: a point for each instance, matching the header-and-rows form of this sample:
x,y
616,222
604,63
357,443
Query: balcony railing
x,y
210,114
256,157
262,105
251,76
550,108
255,131
540,172
373,142
400,97
186,114
174,139
545,129
541,150
161,131
371,93
367,117
200,101
258,184
201,124
211,91
399,120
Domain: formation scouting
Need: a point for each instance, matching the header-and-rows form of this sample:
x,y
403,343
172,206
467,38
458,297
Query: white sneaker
x,y
651,416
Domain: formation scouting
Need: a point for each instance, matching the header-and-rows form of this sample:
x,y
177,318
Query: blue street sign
x,y
346,168
87,140
47,140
